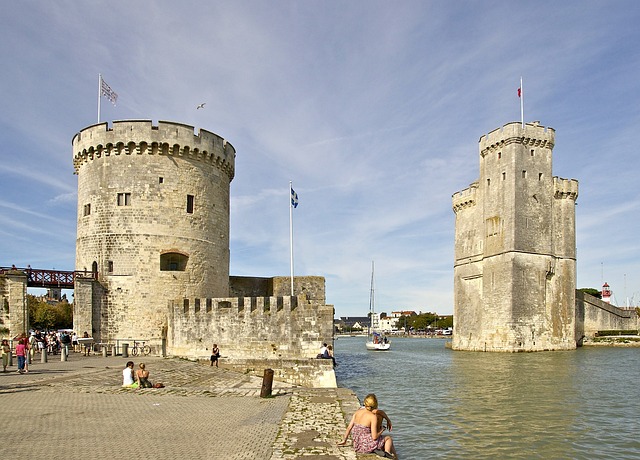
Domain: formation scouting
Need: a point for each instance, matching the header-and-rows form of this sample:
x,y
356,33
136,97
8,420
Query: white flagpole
x,y
521,103
99,89
291,230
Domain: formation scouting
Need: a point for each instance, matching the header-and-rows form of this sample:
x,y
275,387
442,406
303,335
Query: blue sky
x,y
372,108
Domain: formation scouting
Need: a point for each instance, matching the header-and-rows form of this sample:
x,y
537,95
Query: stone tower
x,y
153,224
515,254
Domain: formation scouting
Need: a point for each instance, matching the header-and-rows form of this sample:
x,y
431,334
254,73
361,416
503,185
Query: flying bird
x,y
201,106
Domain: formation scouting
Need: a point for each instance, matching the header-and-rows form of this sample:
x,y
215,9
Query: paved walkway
x,y
78,408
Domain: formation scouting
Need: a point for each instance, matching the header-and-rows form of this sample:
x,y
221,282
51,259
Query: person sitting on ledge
x,y
367,433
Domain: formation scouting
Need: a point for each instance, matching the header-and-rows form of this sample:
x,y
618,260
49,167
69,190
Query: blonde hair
x,y
370,402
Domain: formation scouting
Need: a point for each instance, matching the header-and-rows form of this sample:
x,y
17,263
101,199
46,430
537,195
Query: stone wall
x,y
594,315
13,303
275,331
5,322
310,373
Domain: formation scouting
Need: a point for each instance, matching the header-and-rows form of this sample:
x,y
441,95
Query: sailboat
x,y
375,340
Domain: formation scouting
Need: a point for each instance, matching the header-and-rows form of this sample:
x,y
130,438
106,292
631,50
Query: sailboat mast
x,y
371,300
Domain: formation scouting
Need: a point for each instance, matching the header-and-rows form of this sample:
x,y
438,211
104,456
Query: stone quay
x,y
78,407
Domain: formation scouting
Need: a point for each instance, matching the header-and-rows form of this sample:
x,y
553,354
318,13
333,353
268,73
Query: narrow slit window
x,y
488,182
499,155
539,176
190,199
160,180
504,175
524,174
87,209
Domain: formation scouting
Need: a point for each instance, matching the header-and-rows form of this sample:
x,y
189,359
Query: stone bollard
x,y
105,351
267,383
43,357
125,350
63,355
28,357
10,359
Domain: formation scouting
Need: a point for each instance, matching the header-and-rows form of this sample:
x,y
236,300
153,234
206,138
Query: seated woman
x,y
142,376
366,432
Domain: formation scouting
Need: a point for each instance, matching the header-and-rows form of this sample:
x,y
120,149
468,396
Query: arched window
x,y
173,261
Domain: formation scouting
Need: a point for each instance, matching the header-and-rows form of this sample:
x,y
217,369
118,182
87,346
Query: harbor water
x,y
582,404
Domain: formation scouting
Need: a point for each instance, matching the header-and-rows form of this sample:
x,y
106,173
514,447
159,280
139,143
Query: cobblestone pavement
x,y
202,413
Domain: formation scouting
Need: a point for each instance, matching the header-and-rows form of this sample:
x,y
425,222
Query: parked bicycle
x,y
140,348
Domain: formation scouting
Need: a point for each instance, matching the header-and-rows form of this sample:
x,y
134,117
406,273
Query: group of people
x,y
326,352
53,341
138,378
366,430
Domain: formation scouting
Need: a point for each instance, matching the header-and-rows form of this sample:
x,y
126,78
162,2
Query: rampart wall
x,y
593,315
254,333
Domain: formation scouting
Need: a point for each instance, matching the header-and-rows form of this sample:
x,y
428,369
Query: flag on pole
x,y
294,198
106,91
519,92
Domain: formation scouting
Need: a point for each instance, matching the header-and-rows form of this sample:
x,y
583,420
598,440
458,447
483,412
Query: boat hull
x,y
378,346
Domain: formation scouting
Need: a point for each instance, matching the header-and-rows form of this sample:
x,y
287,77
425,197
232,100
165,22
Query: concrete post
x,y
105,351
267,383
63,355
43,357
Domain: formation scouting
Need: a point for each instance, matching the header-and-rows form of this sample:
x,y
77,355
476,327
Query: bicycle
x,y
140,348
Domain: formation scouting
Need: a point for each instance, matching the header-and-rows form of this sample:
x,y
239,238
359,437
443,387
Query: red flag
x,y
519,92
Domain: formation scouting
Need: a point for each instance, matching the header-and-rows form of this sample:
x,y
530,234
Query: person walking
x,y
215,354
5,348
21,353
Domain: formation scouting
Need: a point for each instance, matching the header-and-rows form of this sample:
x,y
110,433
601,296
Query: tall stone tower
x,y
153,224
515,254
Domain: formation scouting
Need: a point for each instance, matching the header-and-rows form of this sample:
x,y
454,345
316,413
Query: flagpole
x,y
521,103
99,84
291,230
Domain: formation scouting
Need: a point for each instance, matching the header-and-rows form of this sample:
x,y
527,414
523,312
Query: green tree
x,y
592,291
43,315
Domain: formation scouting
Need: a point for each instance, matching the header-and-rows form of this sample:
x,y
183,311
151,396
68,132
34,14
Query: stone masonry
x,y
515,254
153,226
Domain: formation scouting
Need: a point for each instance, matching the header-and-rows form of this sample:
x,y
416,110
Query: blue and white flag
x,y
106,91
294,198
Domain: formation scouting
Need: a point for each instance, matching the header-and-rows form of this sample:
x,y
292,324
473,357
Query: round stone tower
x,y
153,224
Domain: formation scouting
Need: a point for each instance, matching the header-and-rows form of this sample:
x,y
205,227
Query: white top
x,y
127,377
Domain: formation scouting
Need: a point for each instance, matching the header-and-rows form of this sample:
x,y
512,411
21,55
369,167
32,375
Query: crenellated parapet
x,y
532,135
465,198
272,327
565,188
141,137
